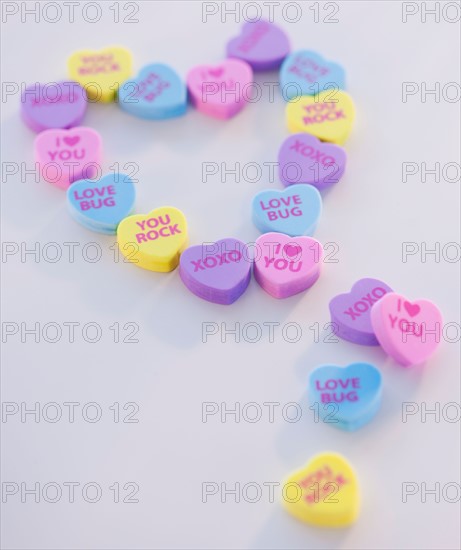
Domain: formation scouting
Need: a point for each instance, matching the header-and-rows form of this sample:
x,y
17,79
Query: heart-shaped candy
x,y
219,272
328,116
284,265
409,332
100,72
261,44
220,91
307,73
154,241
325,492
156,93
65,156
305,159
350,313
347,397
294,211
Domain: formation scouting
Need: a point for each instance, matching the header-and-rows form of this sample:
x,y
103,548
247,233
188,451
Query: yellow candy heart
x,y
154,241
324,492
100,72
328,116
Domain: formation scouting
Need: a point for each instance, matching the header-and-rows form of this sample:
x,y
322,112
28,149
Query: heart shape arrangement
x,y
348,397
219,272
100,72
285,265
220,91
156,93
305,159
329,116
65,156
54,105
324,492
294,211
261,44
351,312
307,73
100,205
405,329
154,241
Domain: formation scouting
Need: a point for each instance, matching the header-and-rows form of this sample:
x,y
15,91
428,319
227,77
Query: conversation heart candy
x,y
53,105
284,265
261,44
347,397
154,241
100,205
294,211
409,332
65,156
156,93
325,492
100,72
220,91
305,159
219,272
328,116
351,312
307,73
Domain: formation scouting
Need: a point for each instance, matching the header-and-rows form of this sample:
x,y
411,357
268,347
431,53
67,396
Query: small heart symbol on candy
x,y
219,272
65,156
100,72
284,265
328,116
261,44
305,159
325,492
53,105
156,93
408,342
308,73
100,205
346,397
294,211
154,241
224,95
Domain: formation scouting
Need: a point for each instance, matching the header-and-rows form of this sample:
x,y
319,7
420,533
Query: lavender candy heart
x,y
350,312
261,44
53,105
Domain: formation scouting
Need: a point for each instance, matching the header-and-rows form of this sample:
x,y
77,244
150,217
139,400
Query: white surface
x,y
170,452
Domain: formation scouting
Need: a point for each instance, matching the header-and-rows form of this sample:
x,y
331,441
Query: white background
x,y
170,372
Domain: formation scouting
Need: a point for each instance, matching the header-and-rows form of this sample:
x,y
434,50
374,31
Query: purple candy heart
x,y
54,105
305,159
261,44
351,312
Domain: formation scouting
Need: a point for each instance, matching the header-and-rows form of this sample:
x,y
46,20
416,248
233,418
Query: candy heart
x,y
261,44
65,156
101,204
347,397
350,313
408,331
219,272
325,492
100,72
220,91
53,105
286,265
328,116
294,211
154,241
156,93
307,73
305,159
